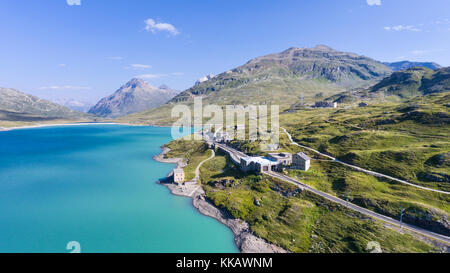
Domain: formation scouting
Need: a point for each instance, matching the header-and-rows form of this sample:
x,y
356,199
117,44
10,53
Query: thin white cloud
x,y
115,58
153,26
152,76
73,2
157,76
62,65
140,66
373,2
64,87
420,52
400,58
402,28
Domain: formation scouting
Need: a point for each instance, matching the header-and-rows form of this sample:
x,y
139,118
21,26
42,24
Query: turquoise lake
x,y
96,185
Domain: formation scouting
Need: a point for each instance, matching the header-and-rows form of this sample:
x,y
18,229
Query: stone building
x,y
260,164
178,175
284,158
301,161
325,104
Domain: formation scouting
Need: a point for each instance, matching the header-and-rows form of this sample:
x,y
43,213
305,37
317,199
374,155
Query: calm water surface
x,y
95,184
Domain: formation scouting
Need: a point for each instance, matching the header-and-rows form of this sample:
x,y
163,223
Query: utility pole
x,y
402,211
301,99
348,192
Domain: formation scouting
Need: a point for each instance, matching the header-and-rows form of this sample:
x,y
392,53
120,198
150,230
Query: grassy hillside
x,y
405,84
20,109
396,139
405,140
297,221
193,152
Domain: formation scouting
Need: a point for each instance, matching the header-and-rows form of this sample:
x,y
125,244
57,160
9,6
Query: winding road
x,y
361,169
361,209
235,156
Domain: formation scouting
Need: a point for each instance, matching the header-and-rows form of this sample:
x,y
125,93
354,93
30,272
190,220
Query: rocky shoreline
x,y
243,237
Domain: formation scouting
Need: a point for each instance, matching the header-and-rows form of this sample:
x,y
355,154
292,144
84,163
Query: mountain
x,y
73,104
405,84
136,95
403,65
280,79
15,105
296,70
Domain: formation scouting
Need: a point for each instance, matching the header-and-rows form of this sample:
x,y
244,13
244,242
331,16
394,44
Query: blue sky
x,y
87,49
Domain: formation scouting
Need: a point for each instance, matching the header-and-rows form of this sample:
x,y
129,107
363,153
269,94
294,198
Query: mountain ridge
x,y
278,78
15,101
134,96
404,84
404,65
321,63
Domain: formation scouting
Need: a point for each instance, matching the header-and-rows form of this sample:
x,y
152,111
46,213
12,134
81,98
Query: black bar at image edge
x,y
234,262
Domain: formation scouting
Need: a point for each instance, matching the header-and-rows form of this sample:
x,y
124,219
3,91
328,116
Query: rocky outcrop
x,y
433,177
204,79
430,219
221,184
439,160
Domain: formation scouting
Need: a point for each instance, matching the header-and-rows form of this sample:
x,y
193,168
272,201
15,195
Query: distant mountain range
x,y
279,78
17,106
314,74
136,95
403,65
73,104
287,74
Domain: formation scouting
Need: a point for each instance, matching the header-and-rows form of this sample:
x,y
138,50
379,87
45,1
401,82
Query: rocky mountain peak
x,y
134,96
323,48
135,82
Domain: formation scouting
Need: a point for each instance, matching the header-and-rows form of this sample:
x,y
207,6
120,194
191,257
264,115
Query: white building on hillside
x,y
301,161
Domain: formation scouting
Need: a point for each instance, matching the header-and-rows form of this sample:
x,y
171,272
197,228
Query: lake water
x,y
96,185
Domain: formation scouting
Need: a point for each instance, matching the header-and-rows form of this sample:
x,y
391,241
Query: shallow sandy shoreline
x,y
57,125
161,158
243,237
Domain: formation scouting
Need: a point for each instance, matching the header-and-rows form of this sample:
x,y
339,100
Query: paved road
x,y
360,209
236,155
362,169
